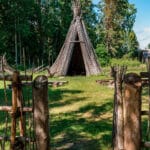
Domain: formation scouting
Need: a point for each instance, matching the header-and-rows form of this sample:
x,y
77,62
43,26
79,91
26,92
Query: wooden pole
x,y
17,102
22,77
41,112
132,112
20,106
118,74
14,109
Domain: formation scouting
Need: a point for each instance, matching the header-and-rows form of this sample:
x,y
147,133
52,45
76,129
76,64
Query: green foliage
x,y
90,17
103,55
125,62
39,28
116,27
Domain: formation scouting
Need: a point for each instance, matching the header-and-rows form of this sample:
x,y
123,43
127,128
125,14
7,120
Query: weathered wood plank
x,y
9,109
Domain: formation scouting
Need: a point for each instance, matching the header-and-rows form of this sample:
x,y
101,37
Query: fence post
x,y
118,74
41,112
15,79
132,112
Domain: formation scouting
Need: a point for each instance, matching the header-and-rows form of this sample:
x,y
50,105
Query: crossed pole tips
x,y
76,6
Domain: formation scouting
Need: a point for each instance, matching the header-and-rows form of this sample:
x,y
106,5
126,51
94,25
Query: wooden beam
x,y
145,113
50,83
22,77
57,83
77,42
145,82
144,74
9,109
146,144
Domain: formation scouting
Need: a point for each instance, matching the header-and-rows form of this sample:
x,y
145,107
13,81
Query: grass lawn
x,y
81,115
81,112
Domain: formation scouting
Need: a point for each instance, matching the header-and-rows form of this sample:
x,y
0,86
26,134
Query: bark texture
x,y
118,73
41,112
132,112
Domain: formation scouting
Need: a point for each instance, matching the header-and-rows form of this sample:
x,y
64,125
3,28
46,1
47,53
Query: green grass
x,y
81,111
81,115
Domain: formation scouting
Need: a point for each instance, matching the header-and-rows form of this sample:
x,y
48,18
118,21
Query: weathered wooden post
x,y
17,111
118,74
132,112
15,79
41,112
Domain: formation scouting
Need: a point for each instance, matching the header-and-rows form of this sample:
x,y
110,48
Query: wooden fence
x,y
127,132
18,111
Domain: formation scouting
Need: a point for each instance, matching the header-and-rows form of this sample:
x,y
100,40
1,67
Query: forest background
x,y
34,30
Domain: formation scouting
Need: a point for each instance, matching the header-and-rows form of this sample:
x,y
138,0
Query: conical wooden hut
x,y
77,56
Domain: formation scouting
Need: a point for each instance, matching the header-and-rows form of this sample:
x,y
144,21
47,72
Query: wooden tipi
x,y
77,55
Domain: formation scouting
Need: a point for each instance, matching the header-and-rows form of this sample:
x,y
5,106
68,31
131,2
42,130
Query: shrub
x,y
103,55
125,61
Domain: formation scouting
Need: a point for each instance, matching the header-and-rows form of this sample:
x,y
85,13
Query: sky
x,y
142,23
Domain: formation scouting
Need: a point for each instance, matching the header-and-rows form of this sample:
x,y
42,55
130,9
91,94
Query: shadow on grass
x,y
74,141
73,131
57,94
97,110
67,102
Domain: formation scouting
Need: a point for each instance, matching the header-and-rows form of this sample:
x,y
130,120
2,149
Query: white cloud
x,y
147,29
143,37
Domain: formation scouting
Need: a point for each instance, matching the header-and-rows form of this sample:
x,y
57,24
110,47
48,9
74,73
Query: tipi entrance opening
x,y
76,66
